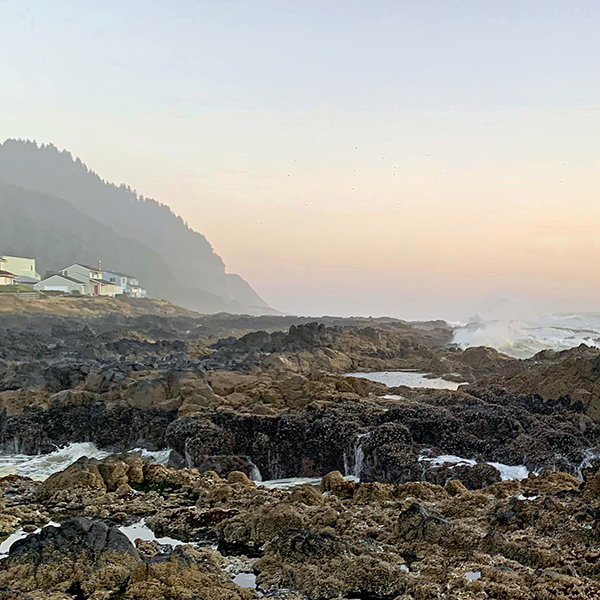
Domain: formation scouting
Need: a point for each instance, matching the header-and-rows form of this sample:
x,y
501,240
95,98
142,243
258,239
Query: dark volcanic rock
x,y
472,477
74,536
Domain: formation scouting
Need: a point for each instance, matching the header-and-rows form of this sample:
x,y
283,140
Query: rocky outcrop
x,y
371,540
88,559
568,376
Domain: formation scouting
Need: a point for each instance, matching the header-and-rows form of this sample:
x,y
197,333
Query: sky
x,y
417,159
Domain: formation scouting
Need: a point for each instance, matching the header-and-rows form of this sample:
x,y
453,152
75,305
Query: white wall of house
x,y
57,283
6,279
19,266
137,292
129,285
81,272
117,278
92,277
105,288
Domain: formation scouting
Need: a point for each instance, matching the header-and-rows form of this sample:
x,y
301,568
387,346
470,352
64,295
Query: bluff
x,y
77,216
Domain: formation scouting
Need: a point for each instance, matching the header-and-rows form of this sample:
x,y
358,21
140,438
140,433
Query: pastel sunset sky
x,y
416,159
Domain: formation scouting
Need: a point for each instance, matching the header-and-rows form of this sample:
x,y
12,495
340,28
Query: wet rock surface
x,y
238,399
278,402
535,538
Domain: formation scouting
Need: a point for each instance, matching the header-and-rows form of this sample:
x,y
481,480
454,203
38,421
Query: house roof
x,y
85,267
104,282
120,274
63,277
7,274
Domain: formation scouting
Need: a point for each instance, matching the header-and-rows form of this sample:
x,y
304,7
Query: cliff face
x,y
184,266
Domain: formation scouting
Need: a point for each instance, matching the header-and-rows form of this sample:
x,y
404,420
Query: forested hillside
x,y
145,236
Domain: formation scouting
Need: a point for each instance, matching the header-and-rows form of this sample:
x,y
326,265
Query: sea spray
x,y
524,338
40,467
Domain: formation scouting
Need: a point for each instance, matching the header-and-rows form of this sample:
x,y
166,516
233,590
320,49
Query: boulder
x,y
83,476
335,483
237,477
114,472
88,559
417,524
75,536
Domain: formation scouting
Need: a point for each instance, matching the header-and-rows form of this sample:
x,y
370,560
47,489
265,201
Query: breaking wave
x,y
40,467
524,338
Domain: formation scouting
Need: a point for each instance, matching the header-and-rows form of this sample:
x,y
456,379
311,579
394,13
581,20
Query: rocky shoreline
x,y
488,491
535,538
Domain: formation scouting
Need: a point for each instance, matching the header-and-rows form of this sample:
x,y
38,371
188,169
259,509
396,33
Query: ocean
x,y
524,338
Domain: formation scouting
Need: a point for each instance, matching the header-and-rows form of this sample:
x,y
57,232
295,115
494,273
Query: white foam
x,y
410,379
292,482
522,498
524,338
507,472
245,580
40,467
442,459
160,457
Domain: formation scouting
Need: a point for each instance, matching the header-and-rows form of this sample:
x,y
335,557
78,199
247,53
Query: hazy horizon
x,y
347,158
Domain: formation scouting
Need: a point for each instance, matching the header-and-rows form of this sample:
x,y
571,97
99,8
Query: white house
x,y
129,284
92,276
62,283
6,278
21,267
82,272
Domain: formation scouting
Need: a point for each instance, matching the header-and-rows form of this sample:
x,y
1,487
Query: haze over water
x,y
414,159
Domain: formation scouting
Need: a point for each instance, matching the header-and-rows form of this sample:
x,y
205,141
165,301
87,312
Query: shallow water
x,y
18,535
140,530
245,580
411,379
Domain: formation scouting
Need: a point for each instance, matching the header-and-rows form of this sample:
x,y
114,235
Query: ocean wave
x,y
40,467
523,339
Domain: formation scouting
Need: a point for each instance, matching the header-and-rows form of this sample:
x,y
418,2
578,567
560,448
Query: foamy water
x,y
507,472
410,379
523,338
40,467
292,482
